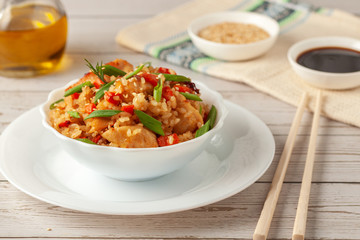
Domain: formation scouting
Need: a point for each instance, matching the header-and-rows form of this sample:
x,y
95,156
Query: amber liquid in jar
x,y
32,41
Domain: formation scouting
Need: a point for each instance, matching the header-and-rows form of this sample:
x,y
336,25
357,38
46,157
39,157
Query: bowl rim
x,y
293,53
240,14
217,127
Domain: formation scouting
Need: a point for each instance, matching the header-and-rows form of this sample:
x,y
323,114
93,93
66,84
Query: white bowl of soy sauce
x,y
327,62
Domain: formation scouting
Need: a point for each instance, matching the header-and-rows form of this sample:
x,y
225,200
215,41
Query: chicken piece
x,y
88,77
85,97
122,65
190,118
97,124
131,137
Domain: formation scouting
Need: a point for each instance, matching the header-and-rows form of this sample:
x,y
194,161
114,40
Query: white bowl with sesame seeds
x,y
137,164
216,42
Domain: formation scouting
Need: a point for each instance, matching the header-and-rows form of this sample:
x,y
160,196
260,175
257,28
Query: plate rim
x,y
214,199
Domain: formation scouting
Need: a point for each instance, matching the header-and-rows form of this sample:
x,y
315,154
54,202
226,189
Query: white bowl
x,y
234,52
136,164
320,79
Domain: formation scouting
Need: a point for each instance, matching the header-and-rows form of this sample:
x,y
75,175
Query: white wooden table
x,y
334,210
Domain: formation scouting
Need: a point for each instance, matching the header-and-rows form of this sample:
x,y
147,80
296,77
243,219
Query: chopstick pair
x,y
263,225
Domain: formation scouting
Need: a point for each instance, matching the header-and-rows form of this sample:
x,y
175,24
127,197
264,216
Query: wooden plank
x,y
97,35
149,8
72,66
328,168
111,8
333,213
102,29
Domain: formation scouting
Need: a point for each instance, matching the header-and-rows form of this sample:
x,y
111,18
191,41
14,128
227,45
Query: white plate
x,y
31,160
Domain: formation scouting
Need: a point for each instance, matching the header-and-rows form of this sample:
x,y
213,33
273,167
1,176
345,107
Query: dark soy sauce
x,y
331,59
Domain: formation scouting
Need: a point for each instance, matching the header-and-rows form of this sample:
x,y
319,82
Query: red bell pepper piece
x,y
150,78
168,140
97,82
184,89
89,108
167,93
75,95
96,138
164,70
112,97
128,108
64,124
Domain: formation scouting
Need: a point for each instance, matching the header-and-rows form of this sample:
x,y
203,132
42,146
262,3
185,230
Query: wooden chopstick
x,y
263,225
302,209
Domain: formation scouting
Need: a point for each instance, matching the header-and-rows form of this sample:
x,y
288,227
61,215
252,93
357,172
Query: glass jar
x,y
32,36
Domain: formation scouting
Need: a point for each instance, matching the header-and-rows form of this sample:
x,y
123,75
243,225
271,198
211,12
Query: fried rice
x,y
127,97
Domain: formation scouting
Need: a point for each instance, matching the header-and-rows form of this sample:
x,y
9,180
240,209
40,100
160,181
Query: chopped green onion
x,y
204,129
85,140
149,122
102,113
99,94
158,91
113,71
135,72
74,114
98,70
212,116
200,109
77,88
53,105
191,96
174,78
209,123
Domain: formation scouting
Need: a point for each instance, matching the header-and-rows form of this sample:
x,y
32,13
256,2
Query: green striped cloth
x,y
164,37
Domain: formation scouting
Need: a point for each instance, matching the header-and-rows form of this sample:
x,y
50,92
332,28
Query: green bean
x,y
150,122
135,72
175,78
191,96
85,140
158,91
99,94
102,113
77,88
212,116
204,129
113,71
74,114
53,105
